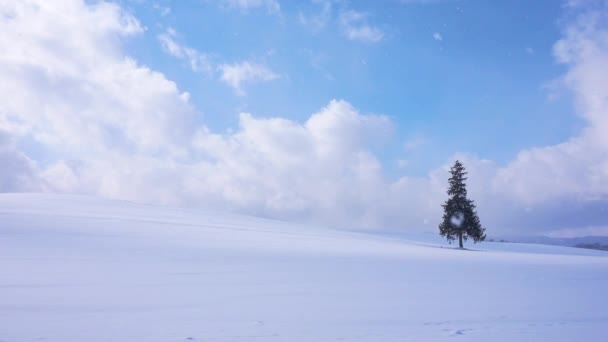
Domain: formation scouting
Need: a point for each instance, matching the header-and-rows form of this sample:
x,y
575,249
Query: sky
x,y
346,114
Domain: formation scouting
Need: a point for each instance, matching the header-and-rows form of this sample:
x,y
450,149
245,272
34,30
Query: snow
x,y
85,269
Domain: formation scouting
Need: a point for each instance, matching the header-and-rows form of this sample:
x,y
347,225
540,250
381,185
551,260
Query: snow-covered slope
x,y
85,269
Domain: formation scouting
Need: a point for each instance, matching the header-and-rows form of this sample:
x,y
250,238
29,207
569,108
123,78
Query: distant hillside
x,y
590,242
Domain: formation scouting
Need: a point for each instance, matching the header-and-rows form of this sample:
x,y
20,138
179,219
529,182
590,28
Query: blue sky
x,y
455,76
339,113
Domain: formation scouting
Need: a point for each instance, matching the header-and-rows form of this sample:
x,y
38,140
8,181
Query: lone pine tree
x,y
459,216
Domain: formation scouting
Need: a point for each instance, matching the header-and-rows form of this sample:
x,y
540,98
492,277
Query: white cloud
x,y
319,169
18,172
403,163
162,10
199,62
578,167
354,26
72,93
272,6
317,22
364,33
236,75
415,142
437,36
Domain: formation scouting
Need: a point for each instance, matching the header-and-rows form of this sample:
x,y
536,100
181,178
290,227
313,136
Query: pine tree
x,y
460,219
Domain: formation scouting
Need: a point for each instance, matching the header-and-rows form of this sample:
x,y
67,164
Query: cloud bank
x,y
80,116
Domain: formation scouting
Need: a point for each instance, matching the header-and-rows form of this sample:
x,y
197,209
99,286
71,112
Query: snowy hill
x,y
84,269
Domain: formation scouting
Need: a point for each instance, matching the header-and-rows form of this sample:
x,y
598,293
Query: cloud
x,y
355,27
318,21
364,33
199,62
437,36
272,6
353,24
578,167
72,94
317,170
403,163
18,172
415,142
162,10
236,75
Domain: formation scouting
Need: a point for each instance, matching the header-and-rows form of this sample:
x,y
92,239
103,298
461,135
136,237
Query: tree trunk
x,y
460,239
